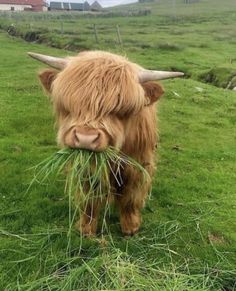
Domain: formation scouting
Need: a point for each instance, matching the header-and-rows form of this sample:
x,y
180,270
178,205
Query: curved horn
x,y
57,63
147,75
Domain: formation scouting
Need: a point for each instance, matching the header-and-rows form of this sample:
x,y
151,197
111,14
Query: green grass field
x,y
188,236
193,38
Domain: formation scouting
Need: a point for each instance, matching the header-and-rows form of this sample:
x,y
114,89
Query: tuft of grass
x,y
224,77
88,174
116,270
170,46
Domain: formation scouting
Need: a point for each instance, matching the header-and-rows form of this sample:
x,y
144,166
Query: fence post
x,y
62,27
16,20
118,34
95,33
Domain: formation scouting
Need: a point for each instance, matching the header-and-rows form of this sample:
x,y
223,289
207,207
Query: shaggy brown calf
x,y
100,100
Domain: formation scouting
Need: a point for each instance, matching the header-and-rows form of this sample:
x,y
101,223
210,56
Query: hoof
x,y
86,229
130,224
130,232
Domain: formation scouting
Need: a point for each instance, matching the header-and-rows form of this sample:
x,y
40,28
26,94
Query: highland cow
x,y
102,99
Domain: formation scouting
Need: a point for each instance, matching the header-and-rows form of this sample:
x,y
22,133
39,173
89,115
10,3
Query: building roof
x,y
86,5
96,6
55,5
58,5
23,2
66,5
77,6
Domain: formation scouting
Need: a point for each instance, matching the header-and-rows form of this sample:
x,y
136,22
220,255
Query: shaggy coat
x,y
99,94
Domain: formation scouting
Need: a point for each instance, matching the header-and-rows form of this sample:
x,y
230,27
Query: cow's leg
x,y
130,203
87,224
132,199
130,220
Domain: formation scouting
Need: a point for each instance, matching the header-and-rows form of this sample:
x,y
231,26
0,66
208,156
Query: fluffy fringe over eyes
x,y
96,84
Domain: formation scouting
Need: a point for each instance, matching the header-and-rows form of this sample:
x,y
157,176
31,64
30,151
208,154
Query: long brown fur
x,y
101,90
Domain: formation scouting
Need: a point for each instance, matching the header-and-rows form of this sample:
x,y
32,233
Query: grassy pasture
x,y
188,238
193,38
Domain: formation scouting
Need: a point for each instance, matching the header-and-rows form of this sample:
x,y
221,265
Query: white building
x,y
22,5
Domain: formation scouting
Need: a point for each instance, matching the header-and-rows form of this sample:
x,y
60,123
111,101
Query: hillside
x,y
179,8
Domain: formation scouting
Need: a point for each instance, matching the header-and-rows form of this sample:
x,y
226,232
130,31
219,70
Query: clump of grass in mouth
x,y
83,167
87,173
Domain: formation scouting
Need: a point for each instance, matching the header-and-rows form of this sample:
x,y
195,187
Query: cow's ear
x,y
47,77
153,91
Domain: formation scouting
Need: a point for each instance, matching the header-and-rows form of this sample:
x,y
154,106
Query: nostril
x,y
86,140
97,138
75,135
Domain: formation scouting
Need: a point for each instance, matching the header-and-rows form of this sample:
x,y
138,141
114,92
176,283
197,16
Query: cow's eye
x,y
126,114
